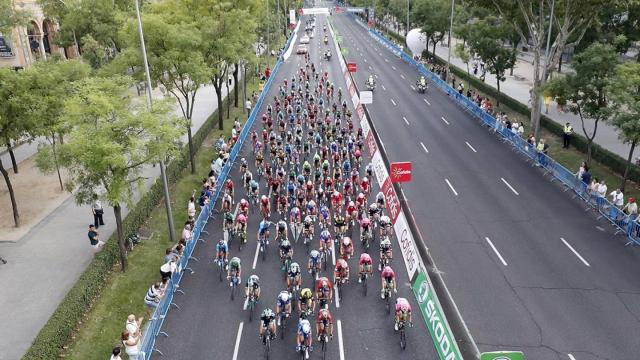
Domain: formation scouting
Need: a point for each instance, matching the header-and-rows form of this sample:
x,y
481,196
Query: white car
x,y
302,49
304,39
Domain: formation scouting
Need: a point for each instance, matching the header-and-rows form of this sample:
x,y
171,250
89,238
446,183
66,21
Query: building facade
x,y
27,44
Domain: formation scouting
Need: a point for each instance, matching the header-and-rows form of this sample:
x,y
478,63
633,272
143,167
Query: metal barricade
x,y
154,325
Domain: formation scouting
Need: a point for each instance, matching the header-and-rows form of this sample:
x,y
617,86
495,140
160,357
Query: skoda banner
x,y
502,355
437,324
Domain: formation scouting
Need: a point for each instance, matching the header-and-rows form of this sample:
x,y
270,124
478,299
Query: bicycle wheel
x,y
364,284
282,326
233,289
263,246
324,347
267,347
220,272
403,339
324,259
387,304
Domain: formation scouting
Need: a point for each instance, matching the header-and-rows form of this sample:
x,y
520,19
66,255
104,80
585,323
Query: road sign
x,y
400,172
352,67
502,355
366,97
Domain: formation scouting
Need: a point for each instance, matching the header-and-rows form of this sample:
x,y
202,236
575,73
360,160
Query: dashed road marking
x,y
393,102
575,252
496,251
424,147
509,186
451,187
470,147
445,120
405,120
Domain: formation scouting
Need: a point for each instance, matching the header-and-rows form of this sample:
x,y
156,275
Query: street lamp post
x,y
450,31
163,173
406,33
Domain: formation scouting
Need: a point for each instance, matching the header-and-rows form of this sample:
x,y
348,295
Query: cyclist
x,y
243,165
374,211
388,278
341,272
285,250
234,271
307,302
283,304
282,230
304,335
324,323
325,240
312,209
307,229
351,211
346,247
228,187
265,207
364,266
314,261
295,219
386,252
227,201
365,186
336,201
403,312
323,290
254,188
263,230
294,278
365,228
241,224
243,207
267,322
339,224
246,178
252,287
385,226
361,202
380,200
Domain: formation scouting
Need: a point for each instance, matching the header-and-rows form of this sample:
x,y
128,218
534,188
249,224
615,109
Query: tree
x,y
487,39
571,18
110,141
585,93
50,82
173,44
10,17
461,51
624,94
432,17
229,34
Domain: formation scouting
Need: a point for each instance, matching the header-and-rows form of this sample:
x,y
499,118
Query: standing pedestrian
x,y
247,105
94,237
617,198
586,176
566,135
115,354
98,212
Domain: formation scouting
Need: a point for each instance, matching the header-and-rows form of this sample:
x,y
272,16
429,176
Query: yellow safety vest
x,y
568,129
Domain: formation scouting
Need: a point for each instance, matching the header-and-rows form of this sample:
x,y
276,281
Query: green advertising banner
x,y
502,355
433,316
344,51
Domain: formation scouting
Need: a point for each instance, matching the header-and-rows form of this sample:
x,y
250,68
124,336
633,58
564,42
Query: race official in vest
x,y
566,135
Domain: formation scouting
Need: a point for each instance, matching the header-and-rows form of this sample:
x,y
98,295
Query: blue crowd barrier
x,y
622,222
154,325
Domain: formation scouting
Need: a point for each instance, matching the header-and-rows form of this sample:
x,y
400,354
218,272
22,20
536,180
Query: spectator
x,y
133,326
592,189
169,255
168,268
460,88
586,175
521,129
531,140
186,232
115,354
543,152
154,294
98,212
247,105
617,198
94,237
631,208
178,251
191,208
131,344
566,135
581,170
602,189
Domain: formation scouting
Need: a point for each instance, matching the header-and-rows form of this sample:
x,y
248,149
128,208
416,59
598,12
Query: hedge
x,y
57,331
613,161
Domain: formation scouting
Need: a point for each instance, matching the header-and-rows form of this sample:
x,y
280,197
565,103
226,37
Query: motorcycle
x,y
421,87
371,85
327,55
326,40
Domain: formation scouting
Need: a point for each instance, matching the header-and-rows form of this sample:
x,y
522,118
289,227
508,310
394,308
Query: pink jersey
x,y
388,274
402,304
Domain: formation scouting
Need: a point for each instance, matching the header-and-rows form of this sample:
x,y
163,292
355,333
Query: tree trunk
x,y
244,81
515,49
55,161
218,88
14,204
117,211
434,50
535,98
235,85
560,65
191,150
228,100
626,169
498,88
12,156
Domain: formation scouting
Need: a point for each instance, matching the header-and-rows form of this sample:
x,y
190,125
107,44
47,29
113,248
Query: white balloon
x,y
416,41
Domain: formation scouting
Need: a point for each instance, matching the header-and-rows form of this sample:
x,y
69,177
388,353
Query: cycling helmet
x,y
341,264
366,222
324,313
324,282
243,161
222,243
373,207
284,296
294,268
285,244
264,199
253,280
364,257
387,270
325,235
306,327
314,254
360,196
267,313
346,241
241,219
385,244
305,293
244,202
309,185
282,225
307,220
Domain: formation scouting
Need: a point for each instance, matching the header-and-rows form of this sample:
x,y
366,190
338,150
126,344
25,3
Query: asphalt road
x,y
208,325
529,269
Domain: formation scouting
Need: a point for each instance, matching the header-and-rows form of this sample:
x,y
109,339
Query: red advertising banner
x,y
352,90
352,67
391,200
400,172
371,144
360,111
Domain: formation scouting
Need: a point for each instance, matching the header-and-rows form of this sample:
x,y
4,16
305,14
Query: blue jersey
x,y
221,247
346,166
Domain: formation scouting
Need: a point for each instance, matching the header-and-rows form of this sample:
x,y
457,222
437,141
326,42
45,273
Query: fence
x,y
154,326
622,222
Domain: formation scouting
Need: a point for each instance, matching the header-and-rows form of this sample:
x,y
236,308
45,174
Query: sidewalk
x,y
518,87
45,263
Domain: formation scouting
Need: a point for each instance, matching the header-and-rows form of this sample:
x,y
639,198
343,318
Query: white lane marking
x,y
383,88
246,303
402,76
575,252
386,60
470,147
370,68
405,120
412,88
451,186
424,147
570,356
337,295
393,67
496,251
509,185
341,344
238,337
445,120
393,102
255,257
333,254
365,60
428,103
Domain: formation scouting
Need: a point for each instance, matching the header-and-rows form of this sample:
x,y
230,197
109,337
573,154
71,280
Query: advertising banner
x,y
407,245
502,355
434,318
391,200
400,172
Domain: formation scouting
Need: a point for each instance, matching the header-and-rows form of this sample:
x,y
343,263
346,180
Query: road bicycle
x,y
234,281
266,341
324,339
282,323
363,280
365,238
286,262
325,257
386,294
251,303
402,325
222,267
